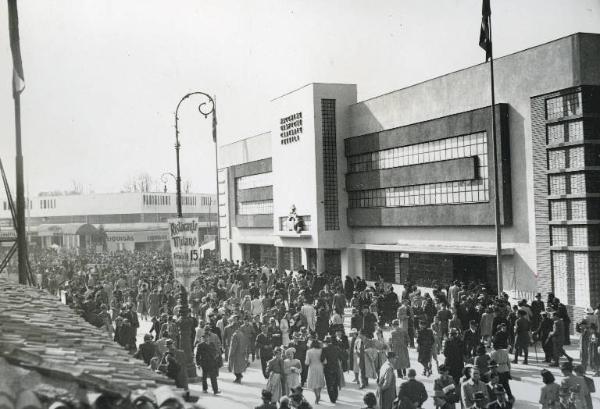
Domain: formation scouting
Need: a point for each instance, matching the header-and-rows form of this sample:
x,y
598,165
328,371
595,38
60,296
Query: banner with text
x,y
185,249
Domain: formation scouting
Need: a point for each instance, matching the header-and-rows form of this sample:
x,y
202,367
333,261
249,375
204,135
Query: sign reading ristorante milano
x,y
185,249
290,128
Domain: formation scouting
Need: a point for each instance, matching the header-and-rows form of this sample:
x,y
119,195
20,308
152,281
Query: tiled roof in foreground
x,y
39,334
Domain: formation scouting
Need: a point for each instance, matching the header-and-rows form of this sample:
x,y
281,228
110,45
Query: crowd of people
x,y
294,325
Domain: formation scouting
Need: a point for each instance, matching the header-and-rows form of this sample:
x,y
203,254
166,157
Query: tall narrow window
x,y
330,199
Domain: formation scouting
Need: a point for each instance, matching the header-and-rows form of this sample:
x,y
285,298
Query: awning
x,y
440,247
45,230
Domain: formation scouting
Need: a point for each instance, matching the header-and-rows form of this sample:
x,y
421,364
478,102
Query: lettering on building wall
x,y
120,238
290,128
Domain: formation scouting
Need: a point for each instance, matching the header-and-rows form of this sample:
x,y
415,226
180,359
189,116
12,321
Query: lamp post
x,y
205,108
185,322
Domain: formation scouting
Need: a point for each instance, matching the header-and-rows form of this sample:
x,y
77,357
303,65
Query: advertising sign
x,y
185,249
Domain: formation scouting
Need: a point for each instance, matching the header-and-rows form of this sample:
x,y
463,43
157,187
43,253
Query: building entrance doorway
x,y
475,269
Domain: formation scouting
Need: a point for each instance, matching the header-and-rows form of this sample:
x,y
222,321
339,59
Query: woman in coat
x,y
399,346
238,354
316,375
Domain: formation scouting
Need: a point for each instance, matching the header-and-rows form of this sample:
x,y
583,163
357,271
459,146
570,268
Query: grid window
x,y
433,151
258,207
468,191
558,184
252,181
581,279
579,236
575,129
330,182
564,105
557,159
421,195
578,210
556,133
560,236
560,270
558,210
577,182
576,157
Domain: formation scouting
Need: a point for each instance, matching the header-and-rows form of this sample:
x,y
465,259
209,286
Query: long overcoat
x,y
238,352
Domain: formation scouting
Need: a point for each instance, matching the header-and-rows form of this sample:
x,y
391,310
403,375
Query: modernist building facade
x,y
401,185
120,221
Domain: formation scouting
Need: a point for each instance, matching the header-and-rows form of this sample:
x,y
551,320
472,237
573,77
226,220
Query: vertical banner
x,y
185,249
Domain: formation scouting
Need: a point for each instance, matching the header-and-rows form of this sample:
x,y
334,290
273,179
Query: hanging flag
x,y
485,35
15,48
214,120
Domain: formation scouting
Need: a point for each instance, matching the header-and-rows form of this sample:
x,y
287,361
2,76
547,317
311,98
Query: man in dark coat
x,y
425,341
471,339
369,322
541,334
537,306
348,287
330,356
265,349
206,358
174,364
412,393
453,351
522,339
557,338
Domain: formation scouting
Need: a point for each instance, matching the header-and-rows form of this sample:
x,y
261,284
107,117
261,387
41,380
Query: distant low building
x,y
115,221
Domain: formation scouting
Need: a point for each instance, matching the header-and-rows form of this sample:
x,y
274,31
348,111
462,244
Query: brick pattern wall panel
x,y
540,187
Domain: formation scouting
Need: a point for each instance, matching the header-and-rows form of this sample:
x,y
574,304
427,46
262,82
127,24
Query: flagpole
x,y
20,227
497,222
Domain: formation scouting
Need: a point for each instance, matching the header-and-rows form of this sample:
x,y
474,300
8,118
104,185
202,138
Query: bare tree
x,y
142,182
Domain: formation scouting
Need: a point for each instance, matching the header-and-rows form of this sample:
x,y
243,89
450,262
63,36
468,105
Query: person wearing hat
x,y
412,393
398,344
425,342
173,365
267,400
557,336
453,351
537,306
522,338
542,333
386,384
207,359
331,367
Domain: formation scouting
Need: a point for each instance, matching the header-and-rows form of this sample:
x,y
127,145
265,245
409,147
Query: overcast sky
x,y
103,77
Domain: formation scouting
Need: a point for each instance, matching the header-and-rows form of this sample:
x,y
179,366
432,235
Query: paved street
x,y
247,395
